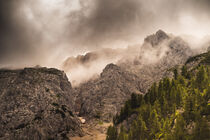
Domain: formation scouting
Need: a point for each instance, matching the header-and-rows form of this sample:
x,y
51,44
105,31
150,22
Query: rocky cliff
x,y
159,53
36,103
156,38
102,98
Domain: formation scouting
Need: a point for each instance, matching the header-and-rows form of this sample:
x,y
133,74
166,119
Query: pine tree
x,y
122,135
166,128
138,130
201,131
160,112
184,71
134,102
175,73
112,133
189,108
154,124
180,132
202,80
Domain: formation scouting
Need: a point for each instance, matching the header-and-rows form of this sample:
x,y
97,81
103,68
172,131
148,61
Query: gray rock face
x,y
157,57
103,98
156,38
36,103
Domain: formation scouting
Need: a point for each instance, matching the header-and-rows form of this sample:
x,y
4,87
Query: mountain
x,y
156,38
36,103
103,97
201,59
40,103
174,108
82,68
159,53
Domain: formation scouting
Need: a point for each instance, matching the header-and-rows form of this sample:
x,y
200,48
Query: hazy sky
x,y
45,32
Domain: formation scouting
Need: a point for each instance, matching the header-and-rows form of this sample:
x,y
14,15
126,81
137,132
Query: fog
x,y
47,32
88,66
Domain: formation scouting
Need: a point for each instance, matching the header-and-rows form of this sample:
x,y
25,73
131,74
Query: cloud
x,y
85,67
47,31
17,37
109,22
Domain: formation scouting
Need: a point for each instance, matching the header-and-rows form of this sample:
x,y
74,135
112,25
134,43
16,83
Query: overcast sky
x,y
45,32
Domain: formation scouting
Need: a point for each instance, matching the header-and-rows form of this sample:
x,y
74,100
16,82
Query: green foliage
x,y
122,135
175,73
180,130
112,133
184,71
202,78
173,109
138,130
205,58
201,130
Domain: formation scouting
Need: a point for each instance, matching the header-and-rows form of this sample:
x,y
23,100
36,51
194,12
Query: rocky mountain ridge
x,y
36,103
103,97
41,103
156,38
159,53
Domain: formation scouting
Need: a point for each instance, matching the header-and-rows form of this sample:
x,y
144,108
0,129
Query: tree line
x,y
173,109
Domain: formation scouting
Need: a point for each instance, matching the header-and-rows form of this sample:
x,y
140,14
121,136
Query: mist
x,y
47,32
86,67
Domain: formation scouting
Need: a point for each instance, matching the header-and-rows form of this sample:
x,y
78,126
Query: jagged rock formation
x,y
159,53
36,103
201,59
88,58
106,54
94,62
102,98
156,38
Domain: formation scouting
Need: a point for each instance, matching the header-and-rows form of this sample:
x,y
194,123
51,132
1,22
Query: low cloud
x,y
46,32
85,67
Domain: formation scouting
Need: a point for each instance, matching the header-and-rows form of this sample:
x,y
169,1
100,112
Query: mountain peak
x,y
156,38
111,66
110,69
161,34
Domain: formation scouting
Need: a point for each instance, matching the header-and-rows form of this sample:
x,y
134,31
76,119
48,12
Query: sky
x,y
46,32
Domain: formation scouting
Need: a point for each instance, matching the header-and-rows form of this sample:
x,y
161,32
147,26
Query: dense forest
x,y
176,108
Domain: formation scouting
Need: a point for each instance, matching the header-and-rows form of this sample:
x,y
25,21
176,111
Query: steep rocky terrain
x,y
156,38
157,115
103,97
94,62
40,102
36,103
159,53
201,59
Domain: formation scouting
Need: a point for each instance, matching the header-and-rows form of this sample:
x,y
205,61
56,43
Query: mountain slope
x,y
176,108
102,98
159,53
36,103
